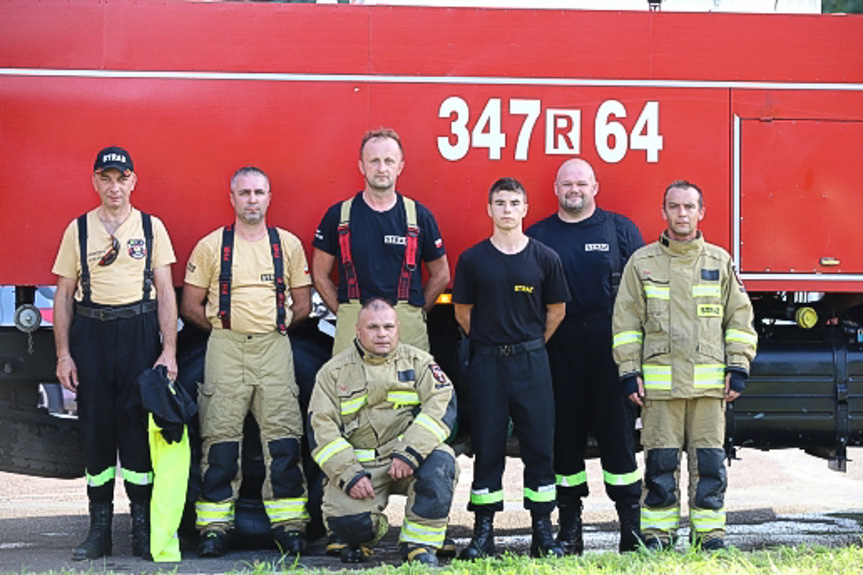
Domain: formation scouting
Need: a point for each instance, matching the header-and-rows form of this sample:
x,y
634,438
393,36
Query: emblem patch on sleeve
x,y
438,373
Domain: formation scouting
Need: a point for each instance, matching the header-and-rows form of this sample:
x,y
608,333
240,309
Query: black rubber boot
x,y
629,515
213,544
542,543
482,543
414,553
140,529
290,542
98,542
569,536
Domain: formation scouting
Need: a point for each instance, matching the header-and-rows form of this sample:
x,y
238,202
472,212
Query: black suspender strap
x,y
85,269
147,224
225,276
279,273
614,252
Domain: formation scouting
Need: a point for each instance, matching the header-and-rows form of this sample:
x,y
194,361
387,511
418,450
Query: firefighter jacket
x,y
681,319
366,407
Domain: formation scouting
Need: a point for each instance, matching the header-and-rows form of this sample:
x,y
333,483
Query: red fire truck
x,y
763,111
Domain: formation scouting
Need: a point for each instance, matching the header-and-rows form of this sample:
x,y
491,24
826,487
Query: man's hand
x,y
730,394
169,360
67,373
362,489
399,469
638,397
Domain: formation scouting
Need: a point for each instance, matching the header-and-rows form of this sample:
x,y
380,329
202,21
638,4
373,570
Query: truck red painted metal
x,y
764,112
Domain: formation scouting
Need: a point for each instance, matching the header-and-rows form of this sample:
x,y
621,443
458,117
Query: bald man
x,y
593,245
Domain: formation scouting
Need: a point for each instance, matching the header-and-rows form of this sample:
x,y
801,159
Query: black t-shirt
x,y
509,292
378,247
583,248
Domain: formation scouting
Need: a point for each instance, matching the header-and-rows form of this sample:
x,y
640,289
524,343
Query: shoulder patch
x,y
437,373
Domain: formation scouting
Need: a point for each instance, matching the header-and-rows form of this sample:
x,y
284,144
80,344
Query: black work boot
x,y
290,541
98,542
482,543
629,514
140,529
414,553
569,536
213,543
542,543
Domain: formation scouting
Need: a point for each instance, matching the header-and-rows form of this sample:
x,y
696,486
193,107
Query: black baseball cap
x,y
114,157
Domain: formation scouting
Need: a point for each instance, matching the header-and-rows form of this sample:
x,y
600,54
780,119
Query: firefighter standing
x,y
593,245
379,238
114,297
247,284
380,412
683,340
510,293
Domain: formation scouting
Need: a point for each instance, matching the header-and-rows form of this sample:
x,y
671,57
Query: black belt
x,y
507,350
111,313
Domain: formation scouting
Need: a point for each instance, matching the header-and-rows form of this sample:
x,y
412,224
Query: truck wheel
x,y
34,442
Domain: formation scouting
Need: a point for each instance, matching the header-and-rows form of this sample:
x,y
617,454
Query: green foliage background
x,y
848,6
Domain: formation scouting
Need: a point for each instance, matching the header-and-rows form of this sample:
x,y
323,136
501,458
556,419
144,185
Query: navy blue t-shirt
x,y
509,292
583,248
378,247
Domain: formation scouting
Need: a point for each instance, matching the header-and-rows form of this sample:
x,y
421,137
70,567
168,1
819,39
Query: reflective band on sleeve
x,y
709,375
422,534
365,455
543,494
627,337
621,478
579,478
210,512
137,477
660,519
706,290
484,497
704,520
740,336
656,376
287,509
709,310
331,449
656,292
353,405
401,399
102,478
436,429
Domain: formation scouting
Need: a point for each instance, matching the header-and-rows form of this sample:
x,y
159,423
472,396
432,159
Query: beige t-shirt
x,y
122,282
253,292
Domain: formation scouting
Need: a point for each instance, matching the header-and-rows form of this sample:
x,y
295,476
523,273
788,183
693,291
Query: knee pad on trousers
x,y
222,467
433,489
285,473
712,481
354,530
660,466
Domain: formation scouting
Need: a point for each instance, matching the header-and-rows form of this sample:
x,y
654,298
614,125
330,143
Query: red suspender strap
x,y
409,265
225,276
345,249
279,273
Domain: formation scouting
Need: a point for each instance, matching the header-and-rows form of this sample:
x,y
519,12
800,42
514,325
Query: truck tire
x,y
34,442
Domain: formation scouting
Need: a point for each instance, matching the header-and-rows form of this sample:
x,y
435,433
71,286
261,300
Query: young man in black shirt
x,y
593,245
510,295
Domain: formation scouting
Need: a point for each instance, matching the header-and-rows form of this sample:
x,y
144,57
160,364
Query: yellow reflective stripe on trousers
x,y
543,493
330,449
364,455
621,478
353,405
101,478
210,512
660,519
286,509
656,292
137,477
706,290
707,519
433,426
740,336
422,534
579,478
656,376
627,337
401,399
485,497
711,375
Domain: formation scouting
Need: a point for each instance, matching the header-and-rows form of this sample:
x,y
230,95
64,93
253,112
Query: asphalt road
x,y
774,498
